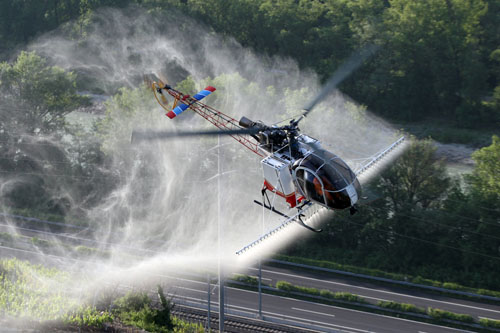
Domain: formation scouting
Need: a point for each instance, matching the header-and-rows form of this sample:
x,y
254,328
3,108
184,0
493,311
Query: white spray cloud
x,y
172,209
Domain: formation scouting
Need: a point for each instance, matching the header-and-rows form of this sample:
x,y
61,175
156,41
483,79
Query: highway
x,y
323,318
373,292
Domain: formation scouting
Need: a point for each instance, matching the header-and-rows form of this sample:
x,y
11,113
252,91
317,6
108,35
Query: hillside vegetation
x,y
438,61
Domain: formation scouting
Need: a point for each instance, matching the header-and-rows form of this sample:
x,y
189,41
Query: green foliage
x,y
415,32
36,97
437,314
404,307
128,109
441,314
434,57
181,326
132,301
135,309
486,176
389,275
188,86
44,93
285,286
88,316
489,322
444,132
36,293
251,280
343,296
438,58
417,179
32,291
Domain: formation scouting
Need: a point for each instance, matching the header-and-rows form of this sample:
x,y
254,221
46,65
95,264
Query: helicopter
x,y
295,166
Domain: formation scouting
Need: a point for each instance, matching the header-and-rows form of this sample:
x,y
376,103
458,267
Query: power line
x,y
446,225
430,242
57,175
457,216
440,211
475,206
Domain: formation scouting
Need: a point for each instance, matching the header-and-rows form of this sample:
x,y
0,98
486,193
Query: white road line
x,y
374,314
358,311
315,312
191,289
304,320
263,278
383,291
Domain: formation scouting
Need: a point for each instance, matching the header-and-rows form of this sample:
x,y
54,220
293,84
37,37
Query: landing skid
x,y
298,216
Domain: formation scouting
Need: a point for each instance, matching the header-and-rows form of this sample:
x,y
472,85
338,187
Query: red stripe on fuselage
x,y
290,198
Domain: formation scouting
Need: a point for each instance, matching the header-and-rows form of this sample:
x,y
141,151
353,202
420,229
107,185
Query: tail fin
x,y
182,107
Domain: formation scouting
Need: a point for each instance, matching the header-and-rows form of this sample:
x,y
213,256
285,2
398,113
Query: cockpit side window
x,y
310,185
324,178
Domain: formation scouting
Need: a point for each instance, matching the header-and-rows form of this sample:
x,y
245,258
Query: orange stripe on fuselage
x,y
289,198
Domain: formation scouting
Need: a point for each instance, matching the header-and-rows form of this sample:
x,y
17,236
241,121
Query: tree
x,y
432,61
37,96
485,179
416,181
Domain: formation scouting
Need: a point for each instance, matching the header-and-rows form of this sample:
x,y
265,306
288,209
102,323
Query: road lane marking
x,y
191,289
374,314
382,291
315,312
357,311
304,320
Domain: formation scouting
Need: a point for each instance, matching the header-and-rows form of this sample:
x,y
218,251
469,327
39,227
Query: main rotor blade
x,y
147,135
354,61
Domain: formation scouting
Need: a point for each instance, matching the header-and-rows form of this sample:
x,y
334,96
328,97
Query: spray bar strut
x,y
293,218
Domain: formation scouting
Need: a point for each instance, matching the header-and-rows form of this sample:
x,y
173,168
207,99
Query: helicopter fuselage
x,y
299,169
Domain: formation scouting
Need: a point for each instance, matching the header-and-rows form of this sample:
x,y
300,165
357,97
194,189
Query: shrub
x,y
246,279
404,307
286,286
132,301
348,297
88,316
489,322
186,327
135,309
378,273
441,314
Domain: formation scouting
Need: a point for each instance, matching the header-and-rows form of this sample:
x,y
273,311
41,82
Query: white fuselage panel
x,y
277,174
